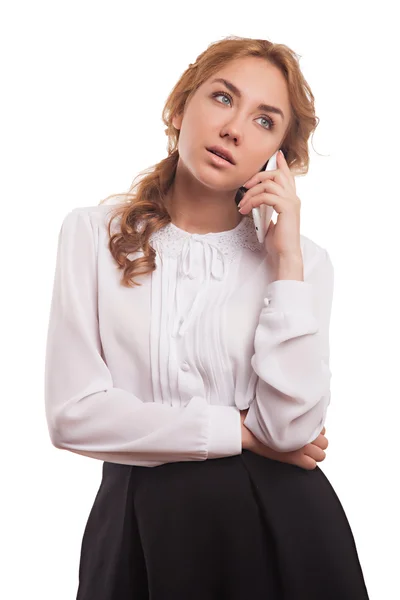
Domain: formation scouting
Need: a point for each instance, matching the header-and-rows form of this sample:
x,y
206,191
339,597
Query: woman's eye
x,y
267,119
221,94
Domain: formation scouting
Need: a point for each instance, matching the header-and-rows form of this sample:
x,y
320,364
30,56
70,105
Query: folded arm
x,y
291,359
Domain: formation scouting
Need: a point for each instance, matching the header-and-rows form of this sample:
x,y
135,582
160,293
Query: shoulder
x,y
97,216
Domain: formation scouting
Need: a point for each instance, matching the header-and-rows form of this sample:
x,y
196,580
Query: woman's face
x,y
217,115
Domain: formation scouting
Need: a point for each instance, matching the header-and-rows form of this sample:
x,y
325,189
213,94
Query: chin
x,y
215,179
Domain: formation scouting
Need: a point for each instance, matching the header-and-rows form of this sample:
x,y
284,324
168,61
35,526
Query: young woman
x,y
205,388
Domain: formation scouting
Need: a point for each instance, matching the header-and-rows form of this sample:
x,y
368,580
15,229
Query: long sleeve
x,y
85,413
291,359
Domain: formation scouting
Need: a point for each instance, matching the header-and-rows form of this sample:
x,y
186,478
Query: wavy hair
x,y
144,212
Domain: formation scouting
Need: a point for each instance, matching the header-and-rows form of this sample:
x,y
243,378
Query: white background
x,y
83,87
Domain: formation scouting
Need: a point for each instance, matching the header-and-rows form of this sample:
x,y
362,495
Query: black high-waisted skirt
x,y
238,528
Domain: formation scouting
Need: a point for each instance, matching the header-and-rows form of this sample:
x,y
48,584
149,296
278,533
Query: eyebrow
x,y
238,93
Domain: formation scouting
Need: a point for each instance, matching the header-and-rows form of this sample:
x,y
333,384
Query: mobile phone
x,y
261,214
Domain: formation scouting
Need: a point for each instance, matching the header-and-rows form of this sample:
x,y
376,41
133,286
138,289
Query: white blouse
x,y
158,373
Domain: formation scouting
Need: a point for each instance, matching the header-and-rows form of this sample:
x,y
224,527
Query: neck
x,y
197,209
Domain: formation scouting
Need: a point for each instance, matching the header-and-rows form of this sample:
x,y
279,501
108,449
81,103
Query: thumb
x,y
271,226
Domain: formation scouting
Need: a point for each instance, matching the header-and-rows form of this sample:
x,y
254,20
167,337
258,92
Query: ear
x,y
177,121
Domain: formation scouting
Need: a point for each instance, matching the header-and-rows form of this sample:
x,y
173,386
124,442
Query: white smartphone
x,y
262,214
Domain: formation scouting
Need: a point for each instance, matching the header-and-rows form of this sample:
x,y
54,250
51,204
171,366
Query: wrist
x,y
289,266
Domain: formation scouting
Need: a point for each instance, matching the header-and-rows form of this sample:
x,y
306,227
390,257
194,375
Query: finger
x,y
270,199
271,226
322,433
314,452
308,463
297,458
267,185
282,164
267,182
321,441
302,460
276,175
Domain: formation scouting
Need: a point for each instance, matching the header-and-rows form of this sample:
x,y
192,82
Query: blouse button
x,y
185,366
266,301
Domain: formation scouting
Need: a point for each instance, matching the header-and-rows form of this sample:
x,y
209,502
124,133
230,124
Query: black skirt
x,y
238,528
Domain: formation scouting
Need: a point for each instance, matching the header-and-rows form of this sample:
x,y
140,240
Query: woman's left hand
x,y
306,457
276,188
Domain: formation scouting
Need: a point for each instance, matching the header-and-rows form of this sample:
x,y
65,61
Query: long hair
x,y
144,212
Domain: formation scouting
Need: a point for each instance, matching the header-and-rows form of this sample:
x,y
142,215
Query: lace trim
x,y
170,239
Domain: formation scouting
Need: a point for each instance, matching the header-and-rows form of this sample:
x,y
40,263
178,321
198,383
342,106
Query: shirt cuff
x,y
225,433
288,295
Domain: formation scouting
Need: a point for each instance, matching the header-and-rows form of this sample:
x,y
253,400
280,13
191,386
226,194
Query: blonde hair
x,y
145,203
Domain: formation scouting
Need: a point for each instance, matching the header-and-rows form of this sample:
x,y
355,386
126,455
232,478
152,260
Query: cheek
x,y
187,143
191,138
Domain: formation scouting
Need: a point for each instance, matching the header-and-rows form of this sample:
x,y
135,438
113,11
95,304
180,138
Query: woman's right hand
x,y
306,457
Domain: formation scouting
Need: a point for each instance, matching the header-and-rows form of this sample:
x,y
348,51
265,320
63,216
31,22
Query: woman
x,y
214,370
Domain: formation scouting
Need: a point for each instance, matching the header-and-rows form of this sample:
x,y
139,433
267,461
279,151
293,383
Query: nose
x,y
233,130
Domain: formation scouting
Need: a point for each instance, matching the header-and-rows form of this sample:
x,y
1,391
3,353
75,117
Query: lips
x,y
222,152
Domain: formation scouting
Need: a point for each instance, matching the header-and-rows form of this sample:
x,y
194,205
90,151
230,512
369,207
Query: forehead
x,y
255,77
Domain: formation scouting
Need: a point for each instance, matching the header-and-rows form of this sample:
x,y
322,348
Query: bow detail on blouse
x,y
214,267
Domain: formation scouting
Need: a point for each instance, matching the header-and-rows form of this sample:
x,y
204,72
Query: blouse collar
x,y
216,250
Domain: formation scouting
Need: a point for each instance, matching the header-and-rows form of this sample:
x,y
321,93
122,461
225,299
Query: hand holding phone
x,y
261,214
